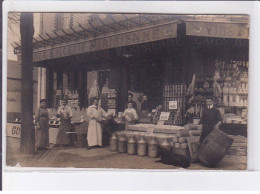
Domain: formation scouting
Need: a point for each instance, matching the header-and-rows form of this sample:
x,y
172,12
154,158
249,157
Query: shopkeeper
x,y
95,114
130,99
130,114
211,118
42,126
145,107
65,114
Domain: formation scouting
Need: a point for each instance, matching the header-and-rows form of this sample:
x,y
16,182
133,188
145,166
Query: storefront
x,y
175,61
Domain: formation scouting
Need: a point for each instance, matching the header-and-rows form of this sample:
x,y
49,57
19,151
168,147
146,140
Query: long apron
x,y
42,133
94,133
131,116
63,138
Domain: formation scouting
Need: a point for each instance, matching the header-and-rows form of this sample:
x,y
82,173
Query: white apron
x,y
94,136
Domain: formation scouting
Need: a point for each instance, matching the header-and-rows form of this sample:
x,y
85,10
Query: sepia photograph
x,y
127,91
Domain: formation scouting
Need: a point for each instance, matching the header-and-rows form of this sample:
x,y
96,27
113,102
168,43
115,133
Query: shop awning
x,y
110,31
118,30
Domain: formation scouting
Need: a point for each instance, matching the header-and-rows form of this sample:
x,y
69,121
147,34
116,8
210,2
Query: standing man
x,y
95,114
145,107
211,119
130,99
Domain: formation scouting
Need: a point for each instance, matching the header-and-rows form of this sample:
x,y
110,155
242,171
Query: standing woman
x,y
42,126
65,114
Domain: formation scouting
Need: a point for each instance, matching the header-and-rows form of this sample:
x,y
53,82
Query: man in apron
x,y
95,114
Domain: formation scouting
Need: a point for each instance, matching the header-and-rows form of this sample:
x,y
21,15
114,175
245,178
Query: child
x,y
130,114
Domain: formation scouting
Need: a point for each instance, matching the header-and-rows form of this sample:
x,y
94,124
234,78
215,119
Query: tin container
x,y
113,143
131,146
153,148
121,144
141,147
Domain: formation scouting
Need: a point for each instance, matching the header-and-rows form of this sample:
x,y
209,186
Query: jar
x,y
131,146
113,143
153,148
121,144
141,147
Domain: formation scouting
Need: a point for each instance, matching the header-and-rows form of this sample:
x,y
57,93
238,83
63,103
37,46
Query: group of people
x,y
211,119
95,115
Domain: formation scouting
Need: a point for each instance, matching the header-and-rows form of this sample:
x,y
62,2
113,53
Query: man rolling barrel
x,y
211,118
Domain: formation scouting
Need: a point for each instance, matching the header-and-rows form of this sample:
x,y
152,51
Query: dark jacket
x,y
210,117
145,106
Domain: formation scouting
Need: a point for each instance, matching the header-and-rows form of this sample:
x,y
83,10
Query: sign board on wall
x,y
164,116
13,130
131,37
173,105
217,29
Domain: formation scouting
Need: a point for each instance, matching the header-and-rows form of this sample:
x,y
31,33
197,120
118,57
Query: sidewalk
x,y
101,158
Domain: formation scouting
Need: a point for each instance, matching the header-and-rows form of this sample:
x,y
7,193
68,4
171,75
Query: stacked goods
x,y
182,146
104,98
239,146
73,98
111,104
175,92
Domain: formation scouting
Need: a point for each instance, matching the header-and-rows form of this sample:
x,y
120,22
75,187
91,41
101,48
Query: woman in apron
x,y
42,126
65,114
130,115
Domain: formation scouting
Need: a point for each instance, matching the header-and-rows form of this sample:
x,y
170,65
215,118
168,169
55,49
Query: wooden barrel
x,y
214,147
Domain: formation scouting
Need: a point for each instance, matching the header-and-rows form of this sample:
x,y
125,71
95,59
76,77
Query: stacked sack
x,y
181,145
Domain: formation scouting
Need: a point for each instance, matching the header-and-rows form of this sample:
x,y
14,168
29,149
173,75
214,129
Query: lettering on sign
x,y
139,36
222,30
164,116
16,130
13,130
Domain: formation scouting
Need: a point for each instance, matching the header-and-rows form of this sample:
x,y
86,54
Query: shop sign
x,y
164,116
13,130
216,29
173,105
133,37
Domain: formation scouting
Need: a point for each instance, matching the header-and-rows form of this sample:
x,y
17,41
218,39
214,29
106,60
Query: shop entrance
x,y
146,77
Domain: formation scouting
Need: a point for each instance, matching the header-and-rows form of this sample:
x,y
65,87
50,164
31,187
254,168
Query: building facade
x,y
156,55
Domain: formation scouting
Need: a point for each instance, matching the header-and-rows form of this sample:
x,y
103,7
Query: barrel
x,y
214,147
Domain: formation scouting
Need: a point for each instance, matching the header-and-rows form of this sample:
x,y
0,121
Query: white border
x,y
148,180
